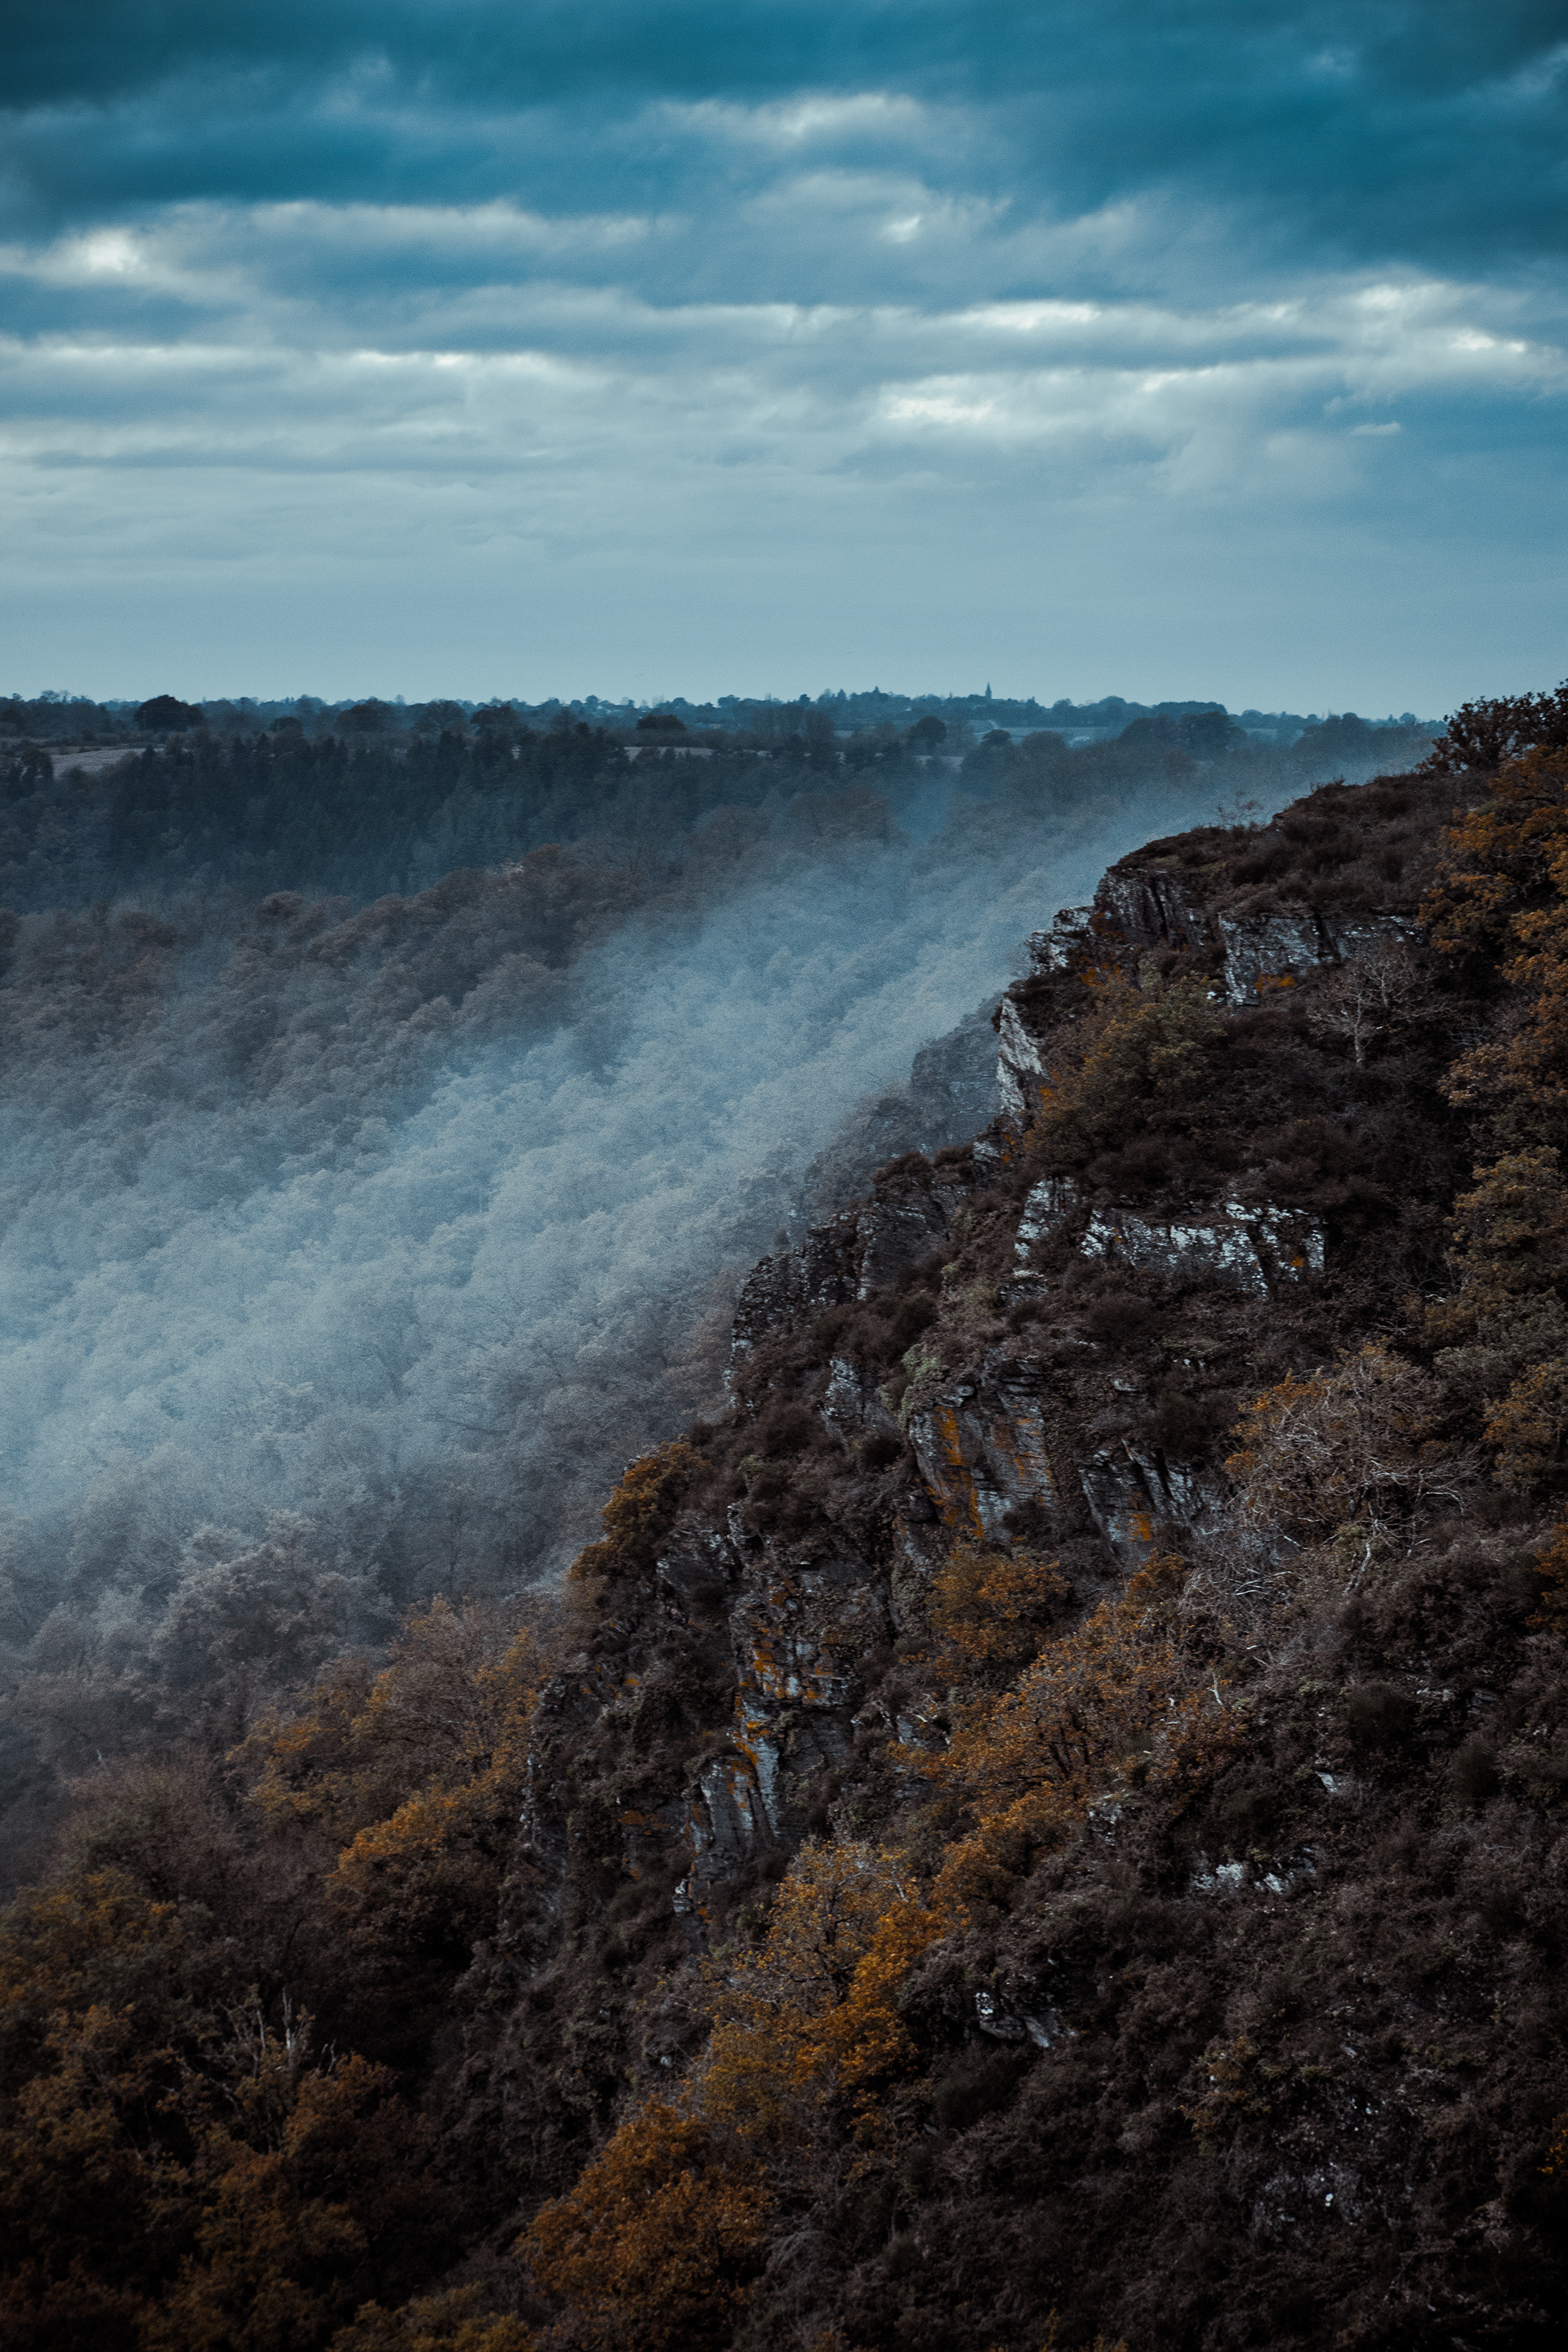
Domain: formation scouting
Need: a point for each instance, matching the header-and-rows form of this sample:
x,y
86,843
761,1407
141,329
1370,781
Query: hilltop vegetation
x,y
375,798
1042,1822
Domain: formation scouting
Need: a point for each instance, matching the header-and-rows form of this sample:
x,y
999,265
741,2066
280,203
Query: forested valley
x,y
1034,1814
375,797
353,1241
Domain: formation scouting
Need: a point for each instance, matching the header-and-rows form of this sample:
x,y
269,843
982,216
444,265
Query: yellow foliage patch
x,y
994,1607
638,1512
656,2243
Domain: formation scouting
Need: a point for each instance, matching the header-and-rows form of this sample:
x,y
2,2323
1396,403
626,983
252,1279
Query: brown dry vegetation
x,y
1172,1952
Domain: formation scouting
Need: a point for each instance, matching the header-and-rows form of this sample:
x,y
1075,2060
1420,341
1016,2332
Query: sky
x,y
1169,348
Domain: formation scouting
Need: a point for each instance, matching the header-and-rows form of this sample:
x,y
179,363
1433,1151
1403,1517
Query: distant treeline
x,y
380,799
76,718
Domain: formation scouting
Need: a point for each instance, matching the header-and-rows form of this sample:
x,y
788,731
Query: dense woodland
x,y
370,800
1122,1902
349,1249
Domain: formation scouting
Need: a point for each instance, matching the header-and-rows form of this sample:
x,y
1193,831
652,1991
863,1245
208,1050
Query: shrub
x,y
1474,1772
454,2322
1183,1425
915,1314
1120,1318
638,1513
973,2084
1529,1427
1345,1449
1378,1716
1137,1050
659,2239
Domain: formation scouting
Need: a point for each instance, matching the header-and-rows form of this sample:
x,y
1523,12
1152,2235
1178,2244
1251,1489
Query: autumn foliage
x,y
1071,1908
659,2240
1134,1046
173,2170
638,1513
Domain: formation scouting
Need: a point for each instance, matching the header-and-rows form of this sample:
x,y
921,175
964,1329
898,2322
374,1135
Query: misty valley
x,y
782,1551
366,1212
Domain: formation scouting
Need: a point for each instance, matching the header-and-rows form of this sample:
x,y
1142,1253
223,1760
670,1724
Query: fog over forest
x,y
351,1249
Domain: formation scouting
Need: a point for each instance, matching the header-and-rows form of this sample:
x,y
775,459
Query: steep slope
x,y
1044,1820
1232,2049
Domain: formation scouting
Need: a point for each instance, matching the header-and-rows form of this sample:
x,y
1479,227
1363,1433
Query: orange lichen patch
x,y
1018,1436
797,1672
957,1506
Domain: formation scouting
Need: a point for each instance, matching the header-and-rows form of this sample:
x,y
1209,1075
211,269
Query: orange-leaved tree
x,y
657,2243
1117,1698
993,1609
415,1888
1503,893
806,2028
1506,1327
175,2173
406,1787
310,2195
452,1698
637,1514
458,2320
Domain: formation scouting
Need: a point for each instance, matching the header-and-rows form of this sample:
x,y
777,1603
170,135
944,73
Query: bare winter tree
x,y
1369,996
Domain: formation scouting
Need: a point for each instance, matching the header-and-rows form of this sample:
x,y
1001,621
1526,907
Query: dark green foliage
x,y
359,812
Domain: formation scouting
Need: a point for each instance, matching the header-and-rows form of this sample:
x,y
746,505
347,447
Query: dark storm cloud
x,y
1387,130
1066,342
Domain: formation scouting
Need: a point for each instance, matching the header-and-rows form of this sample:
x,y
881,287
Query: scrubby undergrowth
x,y
948,1913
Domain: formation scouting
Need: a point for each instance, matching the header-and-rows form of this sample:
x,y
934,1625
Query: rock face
x,y
758,1635
1150,909
1020,1071
984,1447
1261,950
951,1093
1251,1249
856,1253
986,1413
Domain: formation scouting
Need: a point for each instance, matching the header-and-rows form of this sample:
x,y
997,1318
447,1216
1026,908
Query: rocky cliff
x,y
1043,1820
1255,2030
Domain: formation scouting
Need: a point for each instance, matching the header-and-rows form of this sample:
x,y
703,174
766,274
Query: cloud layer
x,y
1162,350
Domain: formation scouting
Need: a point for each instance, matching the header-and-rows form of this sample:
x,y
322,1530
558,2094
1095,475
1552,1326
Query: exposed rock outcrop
x,y
960,1433
1017,1381
1250,1248
1153,907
